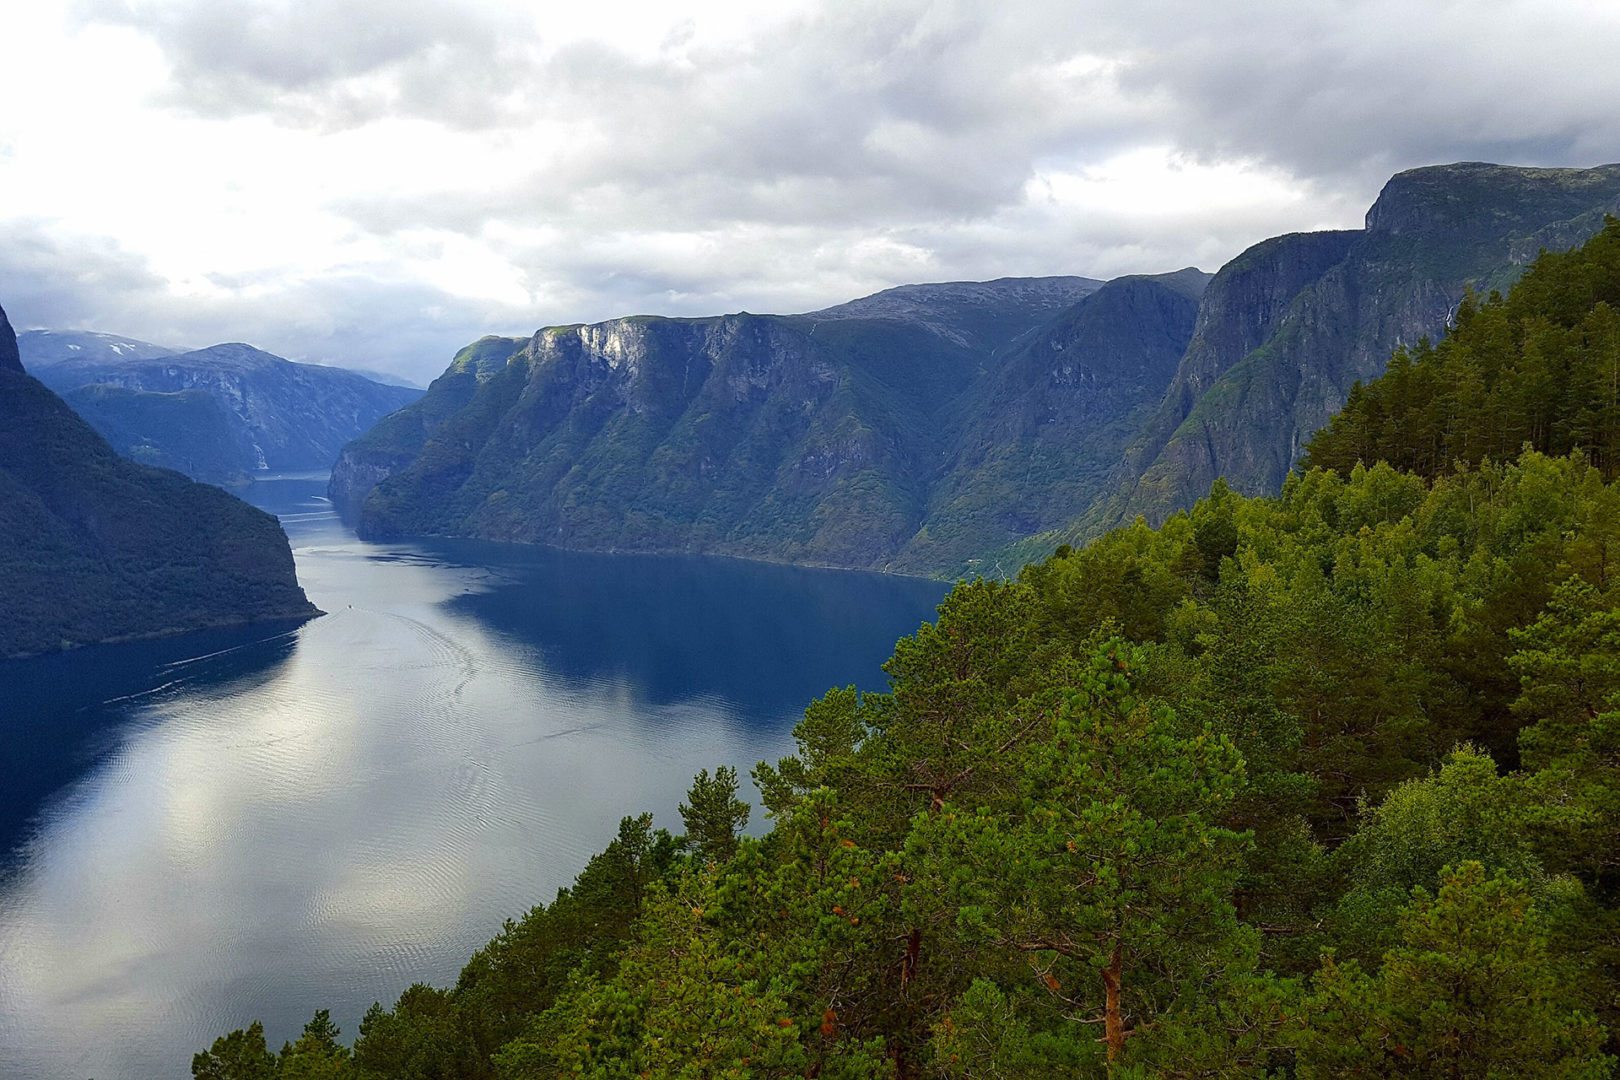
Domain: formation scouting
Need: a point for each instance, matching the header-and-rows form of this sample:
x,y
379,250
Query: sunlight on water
x,y
202,832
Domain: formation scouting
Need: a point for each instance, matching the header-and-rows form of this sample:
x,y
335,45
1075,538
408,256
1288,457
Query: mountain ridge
x,y
95,548
948,428
816,438
277,414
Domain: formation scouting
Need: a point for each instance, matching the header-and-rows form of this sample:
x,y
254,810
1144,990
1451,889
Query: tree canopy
x,y
1320,785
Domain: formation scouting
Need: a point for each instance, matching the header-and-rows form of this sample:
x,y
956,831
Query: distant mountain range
x,y
949,428
96,548
216,414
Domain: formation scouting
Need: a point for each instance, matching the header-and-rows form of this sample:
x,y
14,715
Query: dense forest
x,y
1320,785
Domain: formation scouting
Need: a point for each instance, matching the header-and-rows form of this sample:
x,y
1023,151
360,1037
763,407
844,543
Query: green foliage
x,y
1470,990
241,1055
713,814
1111,876
1540,368
1322,785
317,1054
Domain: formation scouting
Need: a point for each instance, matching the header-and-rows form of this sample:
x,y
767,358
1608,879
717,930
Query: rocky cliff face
x,y
282,415
665,434
864,435
96,548
1253,389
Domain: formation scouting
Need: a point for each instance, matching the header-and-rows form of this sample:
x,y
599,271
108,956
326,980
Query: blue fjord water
x,y
203,831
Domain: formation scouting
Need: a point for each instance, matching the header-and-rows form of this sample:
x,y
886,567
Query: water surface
x,y
200,832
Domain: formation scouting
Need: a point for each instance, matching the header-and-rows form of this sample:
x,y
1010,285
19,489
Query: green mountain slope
x,y
956,428
1246,403
871,434
95,548
188,431
1035,439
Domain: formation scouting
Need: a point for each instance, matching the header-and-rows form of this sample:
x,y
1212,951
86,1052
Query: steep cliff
x,y
1252,390
96,548
740,434
395,441
10,358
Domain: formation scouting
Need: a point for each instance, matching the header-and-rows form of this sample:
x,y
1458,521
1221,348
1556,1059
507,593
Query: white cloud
x,y
378,182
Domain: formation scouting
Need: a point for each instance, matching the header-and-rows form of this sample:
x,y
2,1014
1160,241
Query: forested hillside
x,y
913,430
1320,785
1540,368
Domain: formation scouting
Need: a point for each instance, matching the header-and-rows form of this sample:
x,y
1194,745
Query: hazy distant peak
x,y
1189,281
230,353
907,301
45,348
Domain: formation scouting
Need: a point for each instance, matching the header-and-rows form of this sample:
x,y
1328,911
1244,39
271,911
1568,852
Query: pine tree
x,y
1470,991
713,814
241,1055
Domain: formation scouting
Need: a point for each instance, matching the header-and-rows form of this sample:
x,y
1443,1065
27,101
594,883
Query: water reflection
x,y
222,829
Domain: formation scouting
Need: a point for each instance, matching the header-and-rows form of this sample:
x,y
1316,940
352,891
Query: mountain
x,y
396,440
189,431
47,348
1289,326
974,314
958,427
853,436
10,356
266,412
1037,436
96,548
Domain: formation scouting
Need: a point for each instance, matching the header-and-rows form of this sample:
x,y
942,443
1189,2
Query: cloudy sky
x,y
376,182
